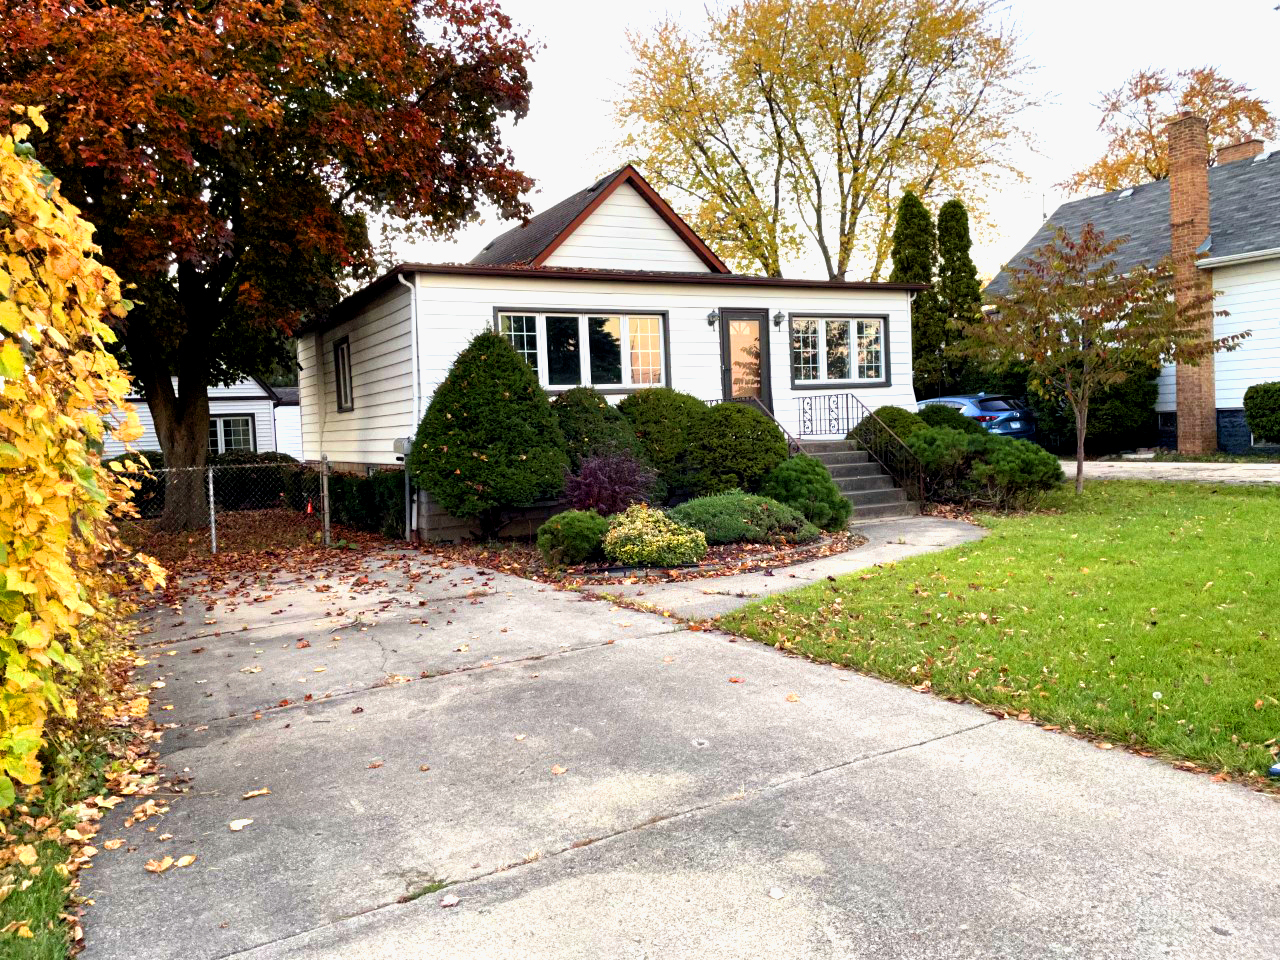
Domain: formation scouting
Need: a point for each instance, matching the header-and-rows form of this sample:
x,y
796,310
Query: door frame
x,y
740,314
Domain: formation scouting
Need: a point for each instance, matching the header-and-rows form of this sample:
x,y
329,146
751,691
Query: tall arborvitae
x,y
959,293
915,255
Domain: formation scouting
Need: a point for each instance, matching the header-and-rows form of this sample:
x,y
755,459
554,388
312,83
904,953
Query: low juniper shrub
x,y
872,433
609,482
737,517
938,415
985,470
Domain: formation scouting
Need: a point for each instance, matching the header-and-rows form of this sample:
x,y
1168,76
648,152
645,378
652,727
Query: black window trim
x,y
338,346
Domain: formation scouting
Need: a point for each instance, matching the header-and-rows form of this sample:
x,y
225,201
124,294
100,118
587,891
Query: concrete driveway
x,y
595,782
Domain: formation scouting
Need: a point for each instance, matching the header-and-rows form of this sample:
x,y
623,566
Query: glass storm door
x,y
744,354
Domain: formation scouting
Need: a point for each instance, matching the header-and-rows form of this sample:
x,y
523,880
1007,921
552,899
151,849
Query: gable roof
x,y
531,243
1244,217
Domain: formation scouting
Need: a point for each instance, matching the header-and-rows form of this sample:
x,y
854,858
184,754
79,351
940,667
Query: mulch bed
x,y
521,558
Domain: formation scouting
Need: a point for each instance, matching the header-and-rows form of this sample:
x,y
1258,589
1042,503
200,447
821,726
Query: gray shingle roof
x,y
521,245
1244,217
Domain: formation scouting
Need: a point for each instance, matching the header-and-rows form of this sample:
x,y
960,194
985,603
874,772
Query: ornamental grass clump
x,y
644,537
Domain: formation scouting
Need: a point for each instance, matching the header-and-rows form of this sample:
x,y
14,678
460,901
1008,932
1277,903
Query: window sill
x,y
607,391
838,384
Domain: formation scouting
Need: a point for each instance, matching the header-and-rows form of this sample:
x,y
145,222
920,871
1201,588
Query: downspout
x,y
412,532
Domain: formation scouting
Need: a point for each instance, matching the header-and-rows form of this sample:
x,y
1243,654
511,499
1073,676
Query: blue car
x,y
998,412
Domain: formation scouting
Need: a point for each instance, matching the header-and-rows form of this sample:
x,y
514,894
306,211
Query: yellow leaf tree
x,y
789,129
1135,114
59,557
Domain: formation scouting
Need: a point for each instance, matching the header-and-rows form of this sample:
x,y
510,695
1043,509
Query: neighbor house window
x,y
342,374
235,432
837,349
602,349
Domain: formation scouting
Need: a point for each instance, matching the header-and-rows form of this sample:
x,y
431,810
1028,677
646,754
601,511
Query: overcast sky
x,y
1081,48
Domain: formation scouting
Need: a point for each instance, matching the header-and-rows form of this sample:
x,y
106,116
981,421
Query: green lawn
x,y
1145,614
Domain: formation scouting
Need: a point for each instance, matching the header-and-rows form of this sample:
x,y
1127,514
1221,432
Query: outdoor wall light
x,y
777,320
712,317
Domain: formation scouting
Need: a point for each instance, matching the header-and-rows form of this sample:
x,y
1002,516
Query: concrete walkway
x,y
887,541
1260,473
591,783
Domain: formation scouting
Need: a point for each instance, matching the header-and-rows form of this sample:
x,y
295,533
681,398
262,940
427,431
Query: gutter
x,y
412,287
1208,263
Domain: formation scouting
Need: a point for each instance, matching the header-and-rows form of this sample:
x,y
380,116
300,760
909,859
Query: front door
x,y
744,354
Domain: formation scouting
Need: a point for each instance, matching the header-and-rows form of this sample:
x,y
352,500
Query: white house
x,y
1225,220
608,288
246,415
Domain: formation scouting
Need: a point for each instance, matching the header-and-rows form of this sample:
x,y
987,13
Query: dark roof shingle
x,y
522,244
1244,217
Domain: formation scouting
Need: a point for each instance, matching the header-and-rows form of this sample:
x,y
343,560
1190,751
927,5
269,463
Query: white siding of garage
x,y
289,429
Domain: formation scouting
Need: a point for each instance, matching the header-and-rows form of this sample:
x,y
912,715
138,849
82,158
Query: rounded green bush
x,y
663,420
489,441
737,517
732,447
592,425
871,433
1262,411
572,537
644,537
939,415
804,484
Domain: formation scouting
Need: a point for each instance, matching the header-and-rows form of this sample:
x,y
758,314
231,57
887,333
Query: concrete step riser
x,y
836,459
868,498
856,470
905,509
863,484
817,447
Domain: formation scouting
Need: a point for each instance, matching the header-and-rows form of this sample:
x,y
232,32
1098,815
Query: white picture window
x,y
837,349
342,374
598,349
232,432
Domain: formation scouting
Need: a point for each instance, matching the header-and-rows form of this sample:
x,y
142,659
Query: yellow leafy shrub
x,y
59,557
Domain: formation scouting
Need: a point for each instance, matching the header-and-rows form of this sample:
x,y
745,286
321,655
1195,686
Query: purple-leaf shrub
x,y
609,482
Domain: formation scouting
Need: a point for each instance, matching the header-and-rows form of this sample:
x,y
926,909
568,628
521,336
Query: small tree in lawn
x,y
489,441
1079,326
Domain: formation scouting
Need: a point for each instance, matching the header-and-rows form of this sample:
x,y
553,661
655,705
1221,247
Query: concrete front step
x,y
846,456
861,480
816,447
855,470
906,508
879,481
874,498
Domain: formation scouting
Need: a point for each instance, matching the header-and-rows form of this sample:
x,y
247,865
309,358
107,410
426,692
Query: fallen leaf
x,y
424,768
735,679
668,659
27,854
256,793
375,765
303,644
450,900
319,669
462,648
159,866
557,770
113,844
186,861
254,669
238,825
793,698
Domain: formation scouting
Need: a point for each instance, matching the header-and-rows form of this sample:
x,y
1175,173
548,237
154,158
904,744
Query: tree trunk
x,y
182,425
1082,417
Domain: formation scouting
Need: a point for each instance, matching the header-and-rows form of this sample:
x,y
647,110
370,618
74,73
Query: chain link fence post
x,y
324,494
213,518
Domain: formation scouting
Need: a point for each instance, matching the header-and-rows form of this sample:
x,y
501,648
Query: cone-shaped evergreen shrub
x,y
1262,411
489,441
663,420
591,425
732,447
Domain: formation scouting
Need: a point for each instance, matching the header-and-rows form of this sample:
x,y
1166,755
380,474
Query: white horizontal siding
x,y
381,386
453,309
1250,295
625,233
289,430
246,396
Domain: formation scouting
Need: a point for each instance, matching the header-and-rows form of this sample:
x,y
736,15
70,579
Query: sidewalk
x,y
1259,473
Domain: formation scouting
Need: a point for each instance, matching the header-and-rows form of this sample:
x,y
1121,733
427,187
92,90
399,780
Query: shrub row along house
x,y
611,289
1219,223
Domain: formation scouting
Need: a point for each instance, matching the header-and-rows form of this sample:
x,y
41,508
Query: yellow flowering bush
x,y
60,561
644,537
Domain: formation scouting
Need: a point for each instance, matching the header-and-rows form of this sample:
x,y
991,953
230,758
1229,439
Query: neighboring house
x,y
242,416
288,422
1223,221
612,289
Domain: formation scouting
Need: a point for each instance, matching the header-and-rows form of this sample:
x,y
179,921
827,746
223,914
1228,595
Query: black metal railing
x,y
793,445
844,415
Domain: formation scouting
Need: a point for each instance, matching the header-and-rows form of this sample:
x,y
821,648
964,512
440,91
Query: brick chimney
x,y
1244,150
1188,229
